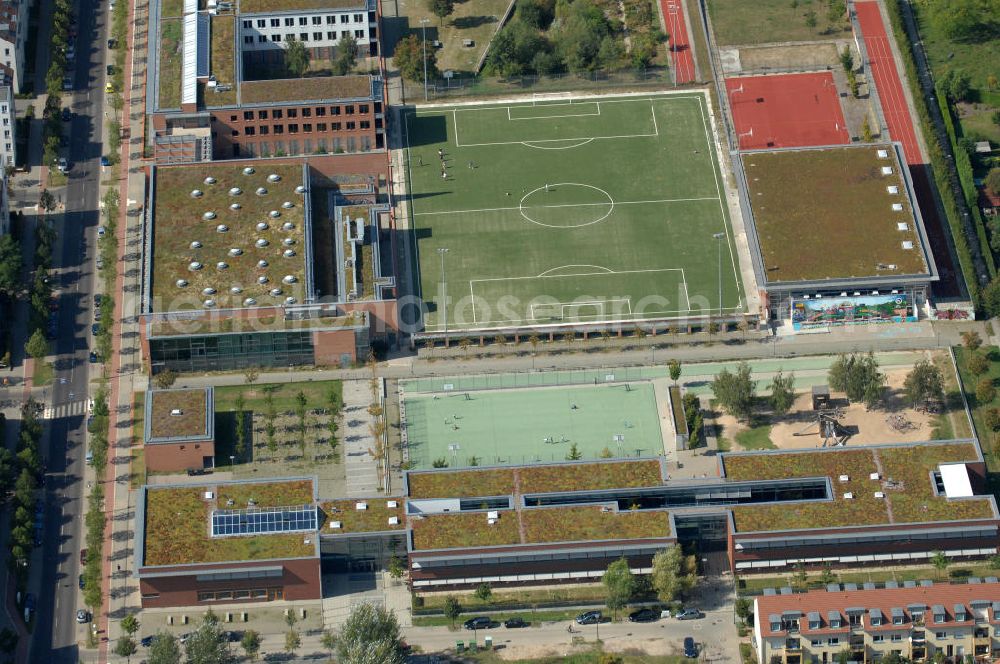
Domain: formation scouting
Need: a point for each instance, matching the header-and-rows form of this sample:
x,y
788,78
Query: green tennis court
x,y
530,425
569,210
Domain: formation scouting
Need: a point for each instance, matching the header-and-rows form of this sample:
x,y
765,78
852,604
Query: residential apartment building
x,y
915,621
8,126
13,35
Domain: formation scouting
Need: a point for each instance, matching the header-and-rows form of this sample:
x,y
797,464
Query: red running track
x,y
890,88
787,111
680,44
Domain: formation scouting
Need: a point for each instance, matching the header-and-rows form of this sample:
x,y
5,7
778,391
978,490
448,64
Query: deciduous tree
x,y
782,392
735,391
371,634
296,58
924,382
619,585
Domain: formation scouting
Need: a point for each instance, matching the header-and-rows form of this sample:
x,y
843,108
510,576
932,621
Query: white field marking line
x,y
611,300
473,296
557,140
652,111
481,106
566,205
454,120
557,117
528,144
646,314
687,295
584,274
599,267
718,191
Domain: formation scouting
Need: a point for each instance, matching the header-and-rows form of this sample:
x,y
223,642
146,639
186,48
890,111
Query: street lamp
x,y
444,288
423,25
719,237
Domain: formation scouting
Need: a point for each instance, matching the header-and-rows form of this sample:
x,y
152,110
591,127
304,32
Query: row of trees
x,y
26,466
735,392
342,59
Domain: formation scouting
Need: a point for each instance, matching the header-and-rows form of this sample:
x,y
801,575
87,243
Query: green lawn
x,y
756,438
284,395
986,436
44,373
767,21
569,210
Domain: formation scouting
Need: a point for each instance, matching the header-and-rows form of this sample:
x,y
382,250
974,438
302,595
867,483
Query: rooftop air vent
x,y
249,170
845,478
182,283
274,214
234,206
262,225
249,302
288,226
848,496
208,216
195,244
289,279
176,411
222,228
235,191
290,300
235,251
288,241
262,279
360,506
235,290
262,263
209,303
210,180
879,494
261,243
222,265
274,177
194,266
288,205
208,291
261,191
275,292
197,193
301,189
288,253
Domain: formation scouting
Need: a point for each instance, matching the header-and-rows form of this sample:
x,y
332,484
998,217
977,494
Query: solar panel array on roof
x,y
204,41
264,521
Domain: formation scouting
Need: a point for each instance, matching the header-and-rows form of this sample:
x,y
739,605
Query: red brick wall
x,y
330,345
178,456
383,315
300,581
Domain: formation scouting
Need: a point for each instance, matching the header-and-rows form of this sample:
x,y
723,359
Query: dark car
x,y
479,622
690,614
690,649
513,623
83,616
29,602
105,160
110,69
98,299
95,329
112,43
233,636
83,583
147,641
67,115
83,556
93,357
589,618
644,615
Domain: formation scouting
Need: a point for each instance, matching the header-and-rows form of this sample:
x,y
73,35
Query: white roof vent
x,y
249,302
209,303
844,478
879,494
261,243
234,206
887,170
892,189
176,411
491,522
194,266
897,207
210,180
262,263
262,279
208,291
209,495
493,514
235,251
883,154
262,225
335,525
301,189
848,496
196,244
393,520
288,205
907,244
275,292
197,193
289,279
874,476
288,241
391,504
274,177
288,226
222,228
235,191
361,507
261,191
208,216
249,170
182,283
235,290
290,300
902,226
222,265
288,253
274,214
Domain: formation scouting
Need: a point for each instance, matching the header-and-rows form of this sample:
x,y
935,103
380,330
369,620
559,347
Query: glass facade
x,y
227,352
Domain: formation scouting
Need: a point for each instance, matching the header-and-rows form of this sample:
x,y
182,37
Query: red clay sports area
x,y
786,111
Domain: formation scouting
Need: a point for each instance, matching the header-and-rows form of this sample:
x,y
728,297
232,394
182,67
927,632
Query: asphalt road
x,y
56,634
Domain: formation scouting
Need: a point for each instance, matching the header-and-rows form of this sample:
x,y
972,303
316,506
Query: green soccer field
x,y
569,210
534,424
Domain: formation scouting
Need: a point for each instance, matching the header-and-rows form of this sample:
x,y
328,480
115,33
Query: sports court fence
x,y
522,380
463,86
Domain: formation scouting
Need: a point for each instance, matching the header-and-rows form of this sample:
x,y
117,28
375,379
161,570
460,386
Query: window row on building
x,y
302,21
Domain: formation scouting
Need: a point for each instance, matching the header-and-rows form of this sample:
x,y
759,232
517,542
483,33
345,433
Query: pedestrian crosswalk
x,y
69,409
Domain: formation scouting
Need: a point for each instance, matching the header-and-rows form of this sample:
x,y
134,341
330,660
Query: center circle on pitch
x,y
566,205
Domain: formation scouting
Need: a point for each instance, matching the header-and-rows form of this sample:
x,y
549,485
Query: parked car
x,y
67,115
90,423
233,636
93,357
479,622
89,458
690,614
99,263
67,83
102,231
147,641
112,43
82,582
644,615
514,623
95,329
98,298
82,616
108,88
110,69
83,556
105,160
690,649
589,618
183,638
63,165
